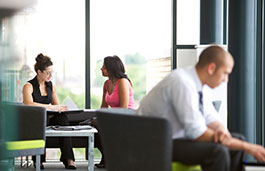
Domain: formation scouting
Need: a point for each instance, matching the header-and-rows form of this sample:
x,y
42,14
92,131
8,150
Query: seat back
x,y
22,130
135,143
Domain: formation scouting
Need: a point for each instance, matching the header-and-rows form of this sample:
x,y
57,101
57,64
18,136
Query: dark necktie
x,y
200,102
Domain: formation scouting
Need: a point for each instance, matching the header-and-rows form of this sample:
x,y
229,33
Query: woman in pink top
x,y
117,90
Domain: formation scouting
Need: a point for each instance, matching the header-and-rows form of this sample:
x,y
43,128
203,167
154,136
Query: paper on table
x,y
71,107
69,128
70,104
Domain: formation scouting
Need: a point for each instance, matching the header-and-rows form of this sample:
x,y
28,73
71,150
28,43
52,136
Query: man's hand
x,y
256,151
222,135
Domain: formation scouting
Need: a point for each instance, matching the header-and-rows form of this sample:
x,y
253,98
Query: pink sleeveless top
x,y
113,99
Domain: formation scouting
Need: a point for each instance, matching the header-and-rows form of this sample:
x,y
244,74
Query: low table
x,y
78,133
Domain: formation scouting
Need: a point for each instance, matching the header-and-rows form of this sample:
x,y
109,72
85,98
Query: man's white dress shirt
x,y
176,98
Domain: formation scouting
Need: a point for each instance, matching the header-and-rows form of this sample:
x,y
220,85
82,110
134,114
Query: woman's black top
x,y
36,92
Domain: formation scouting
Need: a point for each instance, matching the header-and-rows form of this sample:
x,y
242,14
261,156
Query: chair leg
x,y
37,162
21,161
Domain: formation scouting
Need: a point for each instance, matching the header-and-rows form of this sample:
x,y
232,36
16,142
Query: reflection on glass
x,y
8,88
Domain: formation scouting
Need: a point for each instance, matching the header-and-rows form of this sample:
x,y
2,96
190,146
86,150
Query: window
x,y
139,32
55,28
188,22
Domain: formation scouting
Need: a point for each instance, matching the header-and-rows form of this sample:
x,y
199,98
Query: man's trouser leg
x,y
211,156
236,155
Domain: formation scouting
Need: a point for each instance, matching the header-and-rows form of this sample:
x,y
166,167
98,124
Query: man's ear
x,y
211,68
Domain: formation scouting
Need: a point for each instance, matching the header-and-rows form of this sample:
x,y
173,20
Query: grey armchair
x,y
135,143
22,131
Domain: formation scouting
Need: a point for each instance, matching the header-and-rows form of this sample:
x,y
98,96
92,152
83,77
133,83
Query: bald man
x,y
184,98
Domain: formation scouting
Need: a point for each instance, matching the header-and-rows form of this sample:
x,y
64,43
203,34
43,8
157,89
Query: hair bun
x,y
42,62
39,58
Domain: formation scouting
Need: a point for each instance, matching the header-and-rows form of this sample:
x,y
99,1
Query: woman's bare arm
x,y
28,99
124,90
103,102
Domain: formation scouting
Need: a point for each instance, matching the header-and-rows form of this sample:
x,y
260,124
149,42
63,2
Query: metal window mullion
x,y
174,34
262,74
87,54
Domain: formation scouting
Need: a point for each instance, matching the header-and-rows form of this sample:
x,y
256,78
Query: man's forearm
x,y
208,136
235,144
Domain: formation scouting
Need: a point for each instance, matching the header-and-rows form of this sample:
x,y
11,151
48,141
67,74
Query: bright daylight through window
x,y
139,32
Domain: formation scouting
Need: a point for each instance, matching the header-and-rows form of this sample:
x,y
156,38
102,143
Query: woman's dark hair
x,y
42,62
115,67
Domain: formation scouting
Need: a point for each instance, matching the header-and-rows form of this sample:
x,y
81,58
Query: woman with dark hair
x,y
40,91
117,90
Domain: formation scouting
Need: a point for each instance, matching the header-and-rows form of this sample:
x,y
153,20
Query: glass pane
x,y
188,22
139,32
55,28
186,57
9,83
